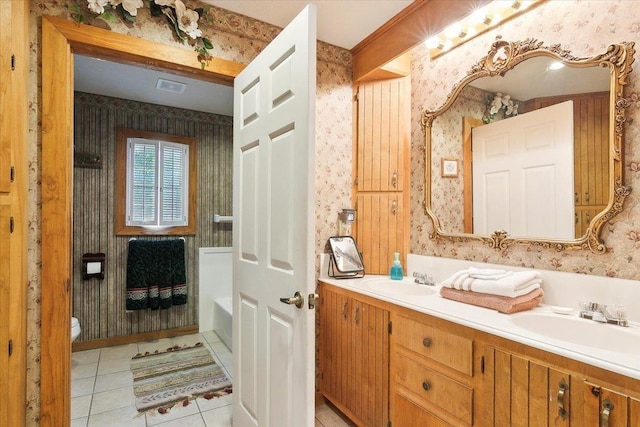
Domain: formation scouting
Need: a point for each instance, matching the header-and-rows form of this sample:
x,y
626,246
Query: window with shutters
x,y
155,183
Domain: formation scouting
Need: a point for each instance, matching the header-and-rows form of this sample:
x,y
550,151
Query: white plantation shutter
x,y
174,189
157,183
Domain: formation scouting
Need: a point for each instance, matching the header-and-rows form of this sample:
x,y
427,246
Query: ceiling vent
x,y
170,86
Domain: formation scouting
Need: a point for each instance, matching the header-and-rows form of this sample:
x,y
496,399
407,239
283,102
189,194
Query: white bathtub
x,y
223,315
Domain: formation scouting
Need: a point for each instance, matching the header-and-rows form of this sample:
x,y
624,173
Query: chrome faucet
x,y
423,279
601,313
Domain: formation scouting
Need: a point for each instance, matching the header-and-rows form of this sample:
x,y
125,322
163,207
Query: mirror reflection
x,y
536,134
531,136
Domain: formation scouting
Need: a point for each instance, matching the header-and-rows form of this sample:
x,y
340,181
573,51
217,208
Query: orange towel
x,y
502,304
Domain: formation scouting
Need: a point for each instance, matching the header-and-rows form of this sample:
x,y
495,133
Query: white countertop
x,y
500,324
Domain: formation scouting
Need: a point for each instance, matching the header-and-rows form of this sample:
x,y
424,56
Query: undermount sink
x,y
390,287
579,331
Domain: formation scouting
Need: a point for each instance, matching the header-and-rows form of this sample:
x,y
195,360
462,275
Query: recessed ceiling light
x,y
170,86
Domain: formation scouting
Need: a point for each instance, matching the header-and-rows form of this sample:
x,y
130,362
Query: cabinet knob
x,y
426,386
426,342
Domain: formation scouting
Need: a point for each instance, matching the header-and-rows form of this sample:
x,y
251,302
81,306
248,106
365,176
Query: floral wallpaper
x,y
234,37
585,28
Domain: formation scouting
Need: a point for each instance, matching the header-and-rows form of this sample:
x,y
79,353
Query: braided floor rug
x,y
178,375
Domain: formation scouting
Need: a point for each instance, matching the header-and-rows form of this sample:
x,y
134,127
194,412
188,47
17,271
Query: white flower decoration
x,y
131,6
97,6
164,2
187,20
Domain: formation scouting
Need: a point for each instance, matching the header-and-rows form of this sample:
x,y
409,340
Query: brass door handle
x,y
560,399
607,407
297,300
394,206
394,179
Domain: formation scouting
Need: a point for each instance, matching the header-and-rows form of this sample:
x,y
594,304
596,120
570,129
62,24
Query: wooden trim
x,y
57,230
413,25
406,161
468,123
60,39
130,339
15,127
105,44
120,227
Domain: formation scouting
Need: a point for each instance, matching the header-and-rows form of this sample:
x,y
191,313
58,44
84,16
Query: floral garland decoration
x,y
184,21
497,103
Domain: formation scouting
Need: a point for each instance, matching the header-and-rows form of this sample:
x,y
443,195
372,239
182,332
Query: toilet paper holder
x,y
93,266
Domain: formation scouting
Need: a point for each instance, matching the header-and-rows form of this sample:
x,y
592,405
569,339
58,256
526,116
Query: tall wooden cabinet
x,y
382,172
14,70
354,355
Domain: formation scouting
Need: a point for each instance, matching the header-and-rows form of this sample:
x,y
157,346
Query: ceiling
x,y
342,23
139,84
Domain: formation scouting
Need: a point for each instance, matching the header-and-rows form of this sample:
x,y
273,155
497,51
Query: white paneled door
x,y
273,231
523,174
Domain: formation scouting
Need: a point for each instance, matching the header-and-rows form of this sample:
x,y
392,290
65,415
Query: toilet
x,y
75,329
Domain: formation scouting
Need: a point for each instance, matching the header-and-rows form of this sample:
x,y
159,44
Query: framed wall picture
x,y
448,168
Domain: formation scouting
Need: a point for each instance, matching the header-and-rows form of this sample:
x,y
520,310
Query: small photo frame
x,y
448,168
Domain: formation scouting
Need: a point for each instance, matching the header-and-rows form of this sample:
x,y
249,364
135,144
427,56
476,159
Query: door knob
x,y
297,300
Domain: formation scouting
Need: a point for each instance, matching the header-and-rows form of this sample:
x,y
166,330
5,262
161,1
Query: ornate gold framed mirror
x,y
539,135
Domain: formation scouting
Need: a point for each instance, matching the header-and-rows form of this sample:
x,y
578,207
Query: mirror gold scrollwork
x,y
541,150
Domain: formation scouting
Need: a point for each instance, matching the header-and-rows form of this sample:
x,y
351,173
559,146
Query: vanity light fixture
x,y
481,20
455,31
434,43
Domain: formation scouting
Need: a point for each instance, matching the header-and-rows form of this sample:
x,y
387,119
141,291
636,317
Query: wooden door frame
x,y
60,40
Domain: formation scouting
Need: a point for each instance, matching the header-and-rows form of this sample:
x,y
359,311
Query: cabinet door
x,y
5,98
606,408
333,315
408,413
383,135
380,230
4,311
354,357
525,393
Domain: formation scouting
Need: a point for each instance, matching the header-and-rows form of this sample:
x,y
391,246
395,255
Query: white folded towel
x,y
487,273
516,284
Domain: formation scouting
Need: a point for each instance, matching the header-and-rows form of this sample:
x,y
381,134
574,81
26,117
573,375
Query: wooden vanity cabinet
x,y
381,363
600,406
354,355
522,392
431,371
548,390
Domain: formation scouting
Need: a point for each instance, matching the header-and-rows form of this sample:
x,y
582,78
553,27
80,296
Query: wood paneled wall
x,y
100,304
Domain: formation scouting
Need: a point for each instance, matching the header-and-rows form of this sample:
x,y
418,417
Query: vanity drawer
x,y
443,347
436,389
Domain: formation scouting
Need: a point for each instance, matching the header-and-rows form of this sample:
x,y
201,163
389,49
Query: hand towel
x,y
487,273
516,284
501,304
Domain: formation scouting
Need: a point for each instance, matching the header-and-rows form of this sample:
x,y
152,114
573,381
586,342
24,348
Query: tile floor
x,y
102,390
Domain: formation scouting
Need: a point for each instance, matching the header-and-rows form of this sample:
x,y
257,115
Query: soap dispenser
x,y
396,272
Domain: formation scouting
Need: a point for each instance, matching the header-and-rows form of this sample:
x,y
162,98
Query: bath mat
x,y
177,375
